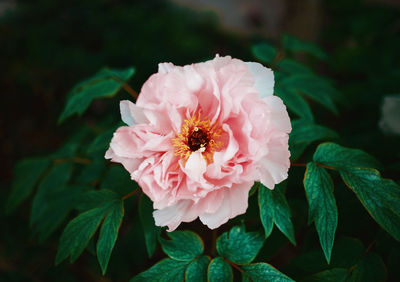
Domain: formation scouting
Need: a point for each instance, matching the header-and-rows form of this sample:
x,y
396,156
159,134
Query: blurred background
x,y
48,46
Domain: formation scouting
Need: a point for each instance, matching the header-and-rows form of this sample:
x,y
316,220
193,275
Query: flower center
x,y
198,139
197,133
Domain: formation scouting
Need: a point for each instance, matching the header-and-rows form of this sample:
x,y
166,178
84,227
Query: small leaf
x,y
109,233
264,52
263,272
118,180
275,209
91,172
77,234
381,197
151,231
57,209
239,246
293,67
329,275
304,132
369,269
295,102
314,87
96,199
336,156
105,83
26,174
53,182
101,142
294,44
184,246
197,270
323,211
219,270
166,270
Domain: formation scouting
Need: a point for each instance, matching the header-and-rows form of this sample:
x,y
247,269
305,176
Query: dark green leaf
x,y
118,179
295,102
197,270
78,232
293,67
381,197
275,209
26,174
263,272
183,246
264,52
369,269
151,231
315,87
296,45
57,209
305,132
336,156
239,246
53,182
101,142
330,275
91,172
166,270
109,233
219,270
96,199
323,211
106,83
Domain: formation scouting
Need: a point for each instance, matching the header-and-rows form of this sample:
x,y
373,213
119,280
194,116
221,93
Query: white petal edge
x,y
264,79
131,114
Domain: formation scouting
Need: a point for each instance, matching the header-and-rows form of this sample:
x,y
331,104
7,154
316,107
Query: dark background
x,y
48,46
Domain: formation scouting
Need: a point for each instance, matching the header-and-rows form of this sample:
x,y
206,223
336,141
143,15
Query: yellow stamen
x,y
194,124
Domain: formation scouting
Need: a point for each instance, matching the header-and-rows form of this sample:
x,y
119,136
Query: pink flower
x,y
200,135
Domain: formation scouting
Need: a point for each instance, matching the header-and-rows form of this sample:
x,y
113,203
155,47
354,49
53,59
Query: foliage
x,y
95,211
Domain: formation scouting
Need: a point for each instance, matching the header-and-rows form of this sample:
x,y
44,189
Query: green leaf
x,y
105,83
183,246
26,174
323,211
314,87
109,233
381,197
57,209
369,269
91,172
96,199
53,182
295,102
239,246
219,270
197,270
264,52
305,132
151,231
329,275
166,270
78,232
275,209
339,157
101,142
263,272
293,67
296,45
118,179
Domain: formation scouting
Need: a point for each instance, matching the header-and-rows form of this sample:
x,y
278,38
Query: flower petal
x,y
264,79
234,203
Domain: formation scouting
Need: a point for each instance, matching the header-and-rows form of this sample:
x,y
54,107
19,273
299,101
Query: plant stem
x,y
129,89
130,194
